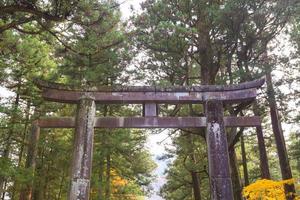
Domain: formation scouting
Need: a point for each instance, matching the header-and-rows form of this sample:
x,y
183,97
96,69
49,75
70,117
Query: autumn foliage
x,y
267,190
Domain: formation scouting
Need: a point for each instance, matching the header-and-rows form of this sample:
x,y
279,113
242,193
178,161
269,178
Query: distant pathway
x,y
157,149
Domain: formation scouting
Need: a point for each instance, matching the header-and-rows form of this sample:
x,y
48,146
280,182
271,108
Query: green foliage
x,y
187,42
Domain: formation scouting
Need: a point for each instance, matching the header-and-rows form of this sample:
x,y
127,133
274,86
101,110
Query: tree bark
x,y
83,150
61,186
100,189
196,185
16,185
236,182
244,161
218,159
194,174
108,170
279,138
40,171
25,130
26,193
264,164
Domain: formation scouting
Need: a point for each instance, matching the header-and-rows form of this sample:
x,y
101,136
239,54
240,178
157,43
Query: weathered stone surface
x,y
213,96
219,174
221,189
66,96
149,122
149,109
202,88
83,150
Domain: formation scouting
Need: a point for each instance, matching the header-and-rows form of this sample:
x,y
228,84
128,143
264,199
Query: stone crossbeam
x,y
149,122
145,94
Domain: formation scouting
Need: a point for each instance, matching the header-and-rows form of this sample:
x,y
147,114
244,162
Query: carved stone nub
x,y
149,110
83,149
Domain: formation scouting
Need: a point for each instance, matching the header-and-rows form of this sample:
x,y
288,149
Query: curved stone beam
x,y
136,94
118,88
65,96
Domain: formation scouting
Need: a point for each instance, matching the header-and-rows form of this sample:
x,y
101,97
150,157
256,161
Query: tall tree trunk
x,y
101,161
278,134
22,147
236,182
264,164
24,133
40,170
26,193
244,161
61,186
100,175
47,180
196,185
194,174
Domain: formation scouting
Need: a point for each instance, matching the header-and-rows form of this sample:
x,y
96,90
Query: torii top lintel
x,y
151,94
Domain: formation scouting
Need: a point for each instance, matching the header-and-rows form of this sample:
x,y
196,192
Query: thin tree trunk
x,y
38,184
100,189
61,185
279,138
194,174
24,133
196,185
244,161
46,175
108,170
3,194
101,161
23,144
236,183
26,193
264,164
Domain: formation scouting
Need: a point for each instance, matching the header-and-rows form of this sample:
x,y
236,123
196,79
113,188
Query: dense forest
x,y
162,43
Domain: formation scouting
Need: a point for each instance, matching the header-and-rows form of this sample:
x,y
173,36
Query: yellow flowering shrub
x,y
266,190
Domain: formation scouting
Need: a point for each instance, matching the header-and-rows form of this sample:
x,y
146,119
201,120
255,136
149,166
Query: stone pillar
x,y
83,150
218,159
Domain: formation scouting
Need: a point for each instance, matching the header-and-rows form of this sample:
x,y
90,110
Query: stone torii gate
x,y
211,96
